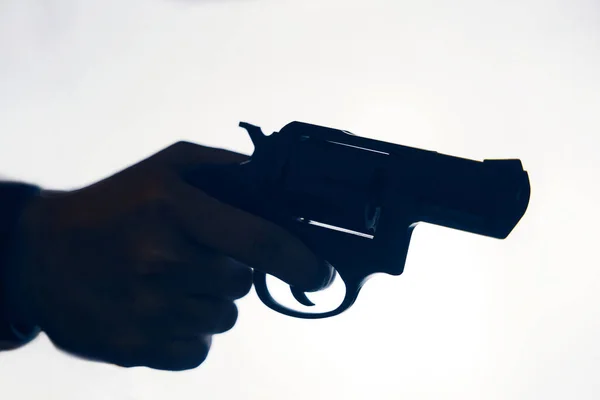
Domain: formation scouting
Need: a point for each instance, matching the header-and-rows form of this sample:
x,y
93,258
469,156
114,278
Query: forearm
x,y
13,198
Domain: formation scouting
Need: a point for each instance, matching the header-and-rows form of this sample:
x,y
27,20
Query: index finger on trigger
x,y
250,239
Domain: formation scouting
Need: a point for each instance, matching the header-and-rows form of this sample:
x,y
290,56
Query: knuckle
x,y
148,259
229,317
193,358
179,146
247,286
148,250
177,150
156,190
146,303
269,247
201,355
243,284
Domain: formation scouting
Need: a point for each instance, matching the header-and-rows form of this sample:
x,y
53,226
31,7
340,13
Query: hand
x,y
141,269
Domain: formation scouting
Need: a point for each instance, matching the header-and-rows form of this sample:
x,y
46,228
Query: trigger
x,y
300,296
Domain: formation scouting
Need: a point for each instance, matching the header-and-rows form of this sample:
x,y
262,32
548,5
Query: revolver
x,y
355,201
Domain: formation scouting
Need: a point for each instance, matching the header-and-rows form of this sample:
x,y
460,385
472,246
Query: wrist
x,y
17,325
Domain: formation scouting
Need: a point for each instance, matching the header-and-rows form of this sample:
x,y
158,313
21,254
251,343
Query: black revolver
x,y
355,201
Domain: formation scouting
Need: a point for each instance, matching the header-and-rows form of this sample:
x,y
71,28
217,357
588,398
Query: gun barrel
x,y
347,181
487,198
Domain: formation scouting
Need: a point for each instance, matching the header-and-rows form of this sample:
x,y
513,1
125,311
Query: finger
x,y
212,275
177,265
183,155
253,241
179,355
188,318
202,315
167,355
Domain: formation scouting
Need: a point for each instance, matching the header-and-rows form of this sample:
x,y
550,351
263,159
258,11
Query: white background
x,y
90,87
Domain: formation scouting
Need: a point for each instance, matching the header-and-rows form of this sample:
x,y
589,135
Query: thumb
x,y
184,155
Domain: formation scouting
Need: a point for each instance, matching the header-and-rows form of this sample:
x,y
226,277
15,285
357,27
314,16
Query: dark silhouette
x,y
355,201
142,268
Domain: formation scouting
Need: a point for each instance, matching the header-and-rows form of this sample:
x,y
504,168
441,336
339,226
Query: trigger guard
x,y
301,297
260,285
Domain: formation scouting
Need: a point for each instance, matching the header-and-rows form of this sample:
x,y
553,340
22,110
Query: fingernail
x,y
324,278
310,273
331,274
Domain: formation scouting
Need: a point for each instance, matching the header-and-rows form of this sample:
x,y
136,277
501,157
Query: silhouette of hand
x,y
141,269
